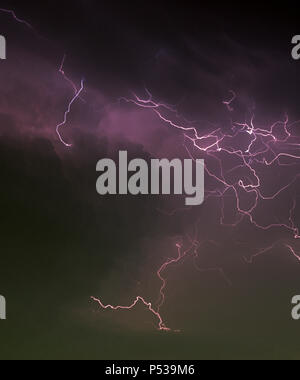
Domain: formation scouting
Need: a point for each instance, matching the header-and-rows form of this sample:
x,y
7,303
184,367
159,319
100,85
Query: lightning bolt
x,y
161,325
63,123
13,14
77,92
66,78
228,103
216,142
262,143
264,149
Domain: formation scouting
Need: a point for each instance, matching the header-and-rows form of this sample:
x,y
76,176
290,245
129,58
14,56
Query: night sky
x,y
62,243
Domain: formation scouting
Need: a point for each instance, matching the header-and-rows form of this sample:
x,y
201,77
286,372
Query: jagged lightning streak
x,y
61,70
181,255
76,96
77,92
176,260
161,324
213,144
67,79
292,250
156,312
13,14
228,103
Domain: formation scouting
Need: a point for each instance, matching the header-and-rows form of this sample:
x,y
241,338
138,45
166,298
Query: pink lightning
x,y
227,103
67,79
13,14
212,144
76,96
161,325
181,254
77,92
216,144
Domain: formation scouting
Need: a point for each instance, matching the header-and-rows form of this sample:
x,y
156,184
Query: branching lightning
x,y
264,149
262,143
76,96
216,142
77,93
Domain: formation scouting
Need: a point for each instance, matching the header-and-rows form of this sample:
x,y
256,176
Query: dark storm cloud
x,y
62,243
